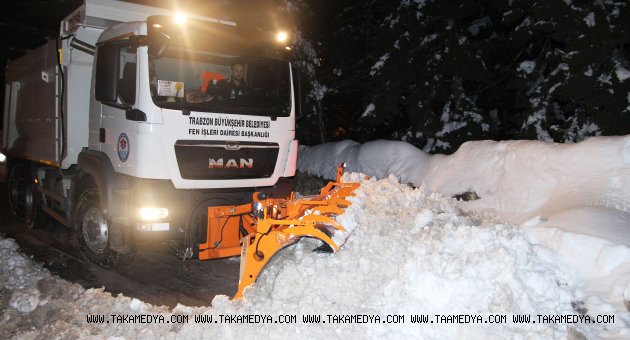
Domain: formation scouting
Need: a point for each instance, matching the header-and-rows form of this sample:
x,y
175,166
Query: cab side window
x,y
127,80
115,81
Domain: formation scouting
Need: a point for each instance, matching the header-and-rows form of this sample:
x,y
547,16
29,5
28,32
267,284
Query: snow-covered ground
x,y
547,236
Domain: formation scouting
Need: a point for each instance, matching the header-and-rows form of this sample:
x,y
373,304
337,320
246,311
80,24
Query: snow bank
x,y
595,242
412,252
515,179
379,158
572,198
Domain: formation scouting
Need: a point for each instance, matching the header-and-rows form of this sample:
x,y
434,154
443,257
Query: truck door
x,y
118,97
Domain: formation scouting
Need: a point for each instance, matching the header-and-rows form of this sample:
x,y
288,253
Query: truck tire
x,y
24,199
93,232
34,216
14,184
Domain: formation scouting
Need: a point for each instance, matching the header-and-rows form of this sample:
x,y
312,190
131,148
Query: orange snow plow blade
x,y
257,231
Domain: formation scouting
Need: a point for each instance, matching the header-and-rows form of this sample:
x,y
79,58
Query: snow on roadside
x,y
515,179
572,198
411,252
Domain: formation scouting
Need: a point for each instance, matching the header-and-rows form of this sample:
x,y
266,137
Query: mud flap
x,y
120,238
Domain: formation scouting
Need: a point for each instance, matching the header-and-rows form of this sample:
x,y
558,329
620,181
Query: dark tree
x,y
439,73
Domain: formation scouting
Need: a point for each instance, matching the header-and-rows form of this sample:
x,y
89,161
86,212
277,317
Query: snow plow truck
x,y
102,136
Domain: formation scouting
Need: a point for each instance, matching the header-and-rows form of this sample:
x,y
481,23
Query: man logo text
x,y
231,163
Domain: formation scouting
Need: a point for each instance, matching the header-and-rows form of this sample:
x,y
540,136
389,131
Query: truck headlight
x,y
180,18
282,37
153,214
3,158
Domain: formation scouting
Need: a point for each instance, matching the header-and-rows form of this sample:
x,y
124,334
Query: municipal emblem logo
x,y
123,147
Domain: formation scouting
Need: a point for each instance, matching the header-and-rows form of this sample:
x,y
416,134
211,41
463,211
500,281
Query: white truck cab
x,y
144,121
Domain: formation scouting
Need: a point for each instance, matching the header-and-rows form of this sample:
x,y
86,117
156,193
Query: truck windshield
x,y
218,82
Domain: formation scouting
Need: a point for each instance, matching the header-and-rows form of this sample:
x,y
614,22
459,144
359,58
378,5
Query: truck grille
x,y
225,159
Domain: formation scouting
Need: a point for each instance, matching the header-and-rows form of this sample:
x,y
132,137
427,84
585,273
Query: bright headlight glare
x,y
180,18
282,36
3,158
152,214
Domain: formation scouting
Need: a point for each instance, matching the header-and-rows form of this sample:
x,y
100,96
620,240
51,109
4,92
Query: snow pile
x,y
411,252
572,198
17,287
23,272
35,304
516,179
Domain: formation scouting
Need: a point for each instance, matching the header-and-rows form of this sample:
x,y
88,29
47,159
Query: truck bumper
x,y
187,208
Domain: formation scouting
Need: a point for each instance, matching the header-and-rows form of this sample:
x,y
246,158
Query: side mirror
x,y
106,78
160,31
158,44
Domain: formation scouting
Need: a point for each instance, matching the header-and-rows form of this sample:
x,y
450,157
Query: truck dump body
x,y
31,110
45,118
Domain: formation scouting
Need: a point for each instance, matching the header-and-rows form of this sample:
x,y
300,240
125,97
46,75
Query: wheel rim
x,y
95,230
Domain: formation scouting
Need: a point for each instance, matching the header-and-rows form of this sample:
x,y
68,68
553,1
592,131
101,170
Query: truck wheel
x,y
14,189
93,232
24,200
33,214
